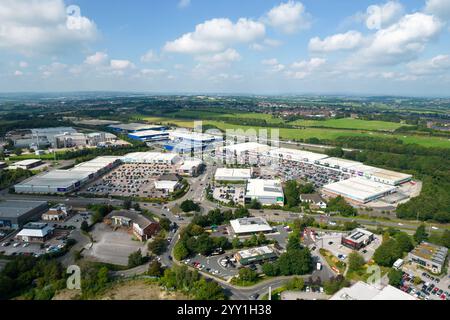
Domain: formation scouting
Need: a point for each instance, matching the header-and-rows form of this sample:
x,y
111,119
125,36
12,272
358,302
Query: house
x,y
140,226
57,213
315,200
35,232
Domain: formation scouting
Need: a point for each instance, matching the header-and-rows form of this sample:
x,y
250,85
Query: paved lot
x,y
215,268
442,282
113,246
303,295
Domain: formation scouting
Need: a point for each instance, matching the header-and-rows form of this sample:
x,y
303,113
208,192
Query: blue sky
x,y
226,46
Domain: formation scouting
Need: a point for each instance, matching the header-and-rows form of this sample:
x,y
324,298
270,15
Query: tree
x,y
395,277
262,239
155,269
341,206
270,269
189,206
307,188
165,224
295,262
180,252
127,204
255,204
404,242
236,243
291,194
295,284
355,262
335,284
248,275
208,290
241,213
136,206
135,259
84,226
158,246
294,242
386,254
420,234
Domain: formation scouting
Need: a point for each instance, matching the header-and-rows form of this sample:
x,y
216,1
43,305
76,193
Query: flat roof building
x,y
149,135
35,232
429,256
358,190
343,165
151,158
26,164
225,174
364,291
247,147
256,255
249,226
267,192
15,213
296,155
135,127
358,239
191,167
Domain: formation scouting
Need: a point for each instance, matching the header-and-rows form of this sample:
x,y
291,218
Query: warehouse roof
x,y
56,178
225,173
339,163
364,291
148,133
194,136
135,126
360,189
27,162
390,175
264,188
248,146
189,164
148,157
17,208
297,155
250,225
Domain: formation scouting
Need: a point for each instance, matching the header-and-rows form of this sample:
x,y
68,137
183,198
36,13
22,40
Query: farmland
x,y
349,123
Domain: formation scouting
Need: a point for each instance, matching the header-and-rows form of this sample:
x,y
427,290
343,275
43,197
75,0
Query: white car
x,y
26,244
15,245
435,228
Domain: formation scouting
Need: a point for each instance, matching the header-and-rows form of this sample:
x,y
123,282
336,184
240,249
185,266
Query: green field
x,y
310,132
211,115
349,123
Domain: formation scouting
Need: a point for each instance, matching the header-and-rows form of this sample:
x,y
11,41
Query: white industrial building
x,y
249,226
151,158
66,181
267,192
343,165
296,155
190,167
241,149
26,164
226,174
364,291
358,190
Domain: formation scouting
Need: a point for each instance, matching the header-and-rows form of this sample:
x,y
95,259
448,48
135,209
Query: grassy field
x,y
349,123
306,133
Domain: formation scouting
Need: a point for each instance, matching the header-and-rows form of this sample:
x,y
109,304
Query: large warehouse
x,y
135,127
151,157
66,181
149,135
225,174
358,190
267,192
15,213
249,226
296,155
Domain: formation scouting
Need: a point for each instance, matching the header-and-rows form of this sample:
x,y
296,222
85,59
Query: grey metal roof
x,y
17,208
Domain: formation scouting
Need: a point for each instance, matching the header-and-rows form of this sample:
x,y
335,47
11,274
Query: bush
x,y
355,262
135,259
158,246
189,206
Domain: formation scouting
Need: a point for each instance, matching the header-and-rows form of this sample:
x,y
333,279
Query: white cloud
x,y
381,16
288,17
150,56
52,69
18,73
402,41
342,41
275,66
184,3
121,65
436,65
440,8
229,55
216,35
304,68
266,43
270,62
153,72
30,26
97,59
23,64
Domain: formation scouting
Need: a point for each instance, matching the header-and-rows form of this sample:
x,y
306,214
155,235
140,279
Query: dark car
x,y
254,296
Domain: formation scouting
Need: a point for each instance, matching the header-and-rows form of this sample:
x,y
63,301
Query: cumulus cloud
x,y
342,41
229,55
381,16
121,65
436,65
23,64
274,65
97,59
265,44
402,41
216,35
153,72
288,17
440,8
150,56
52,69
304,68
45,26
18,73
